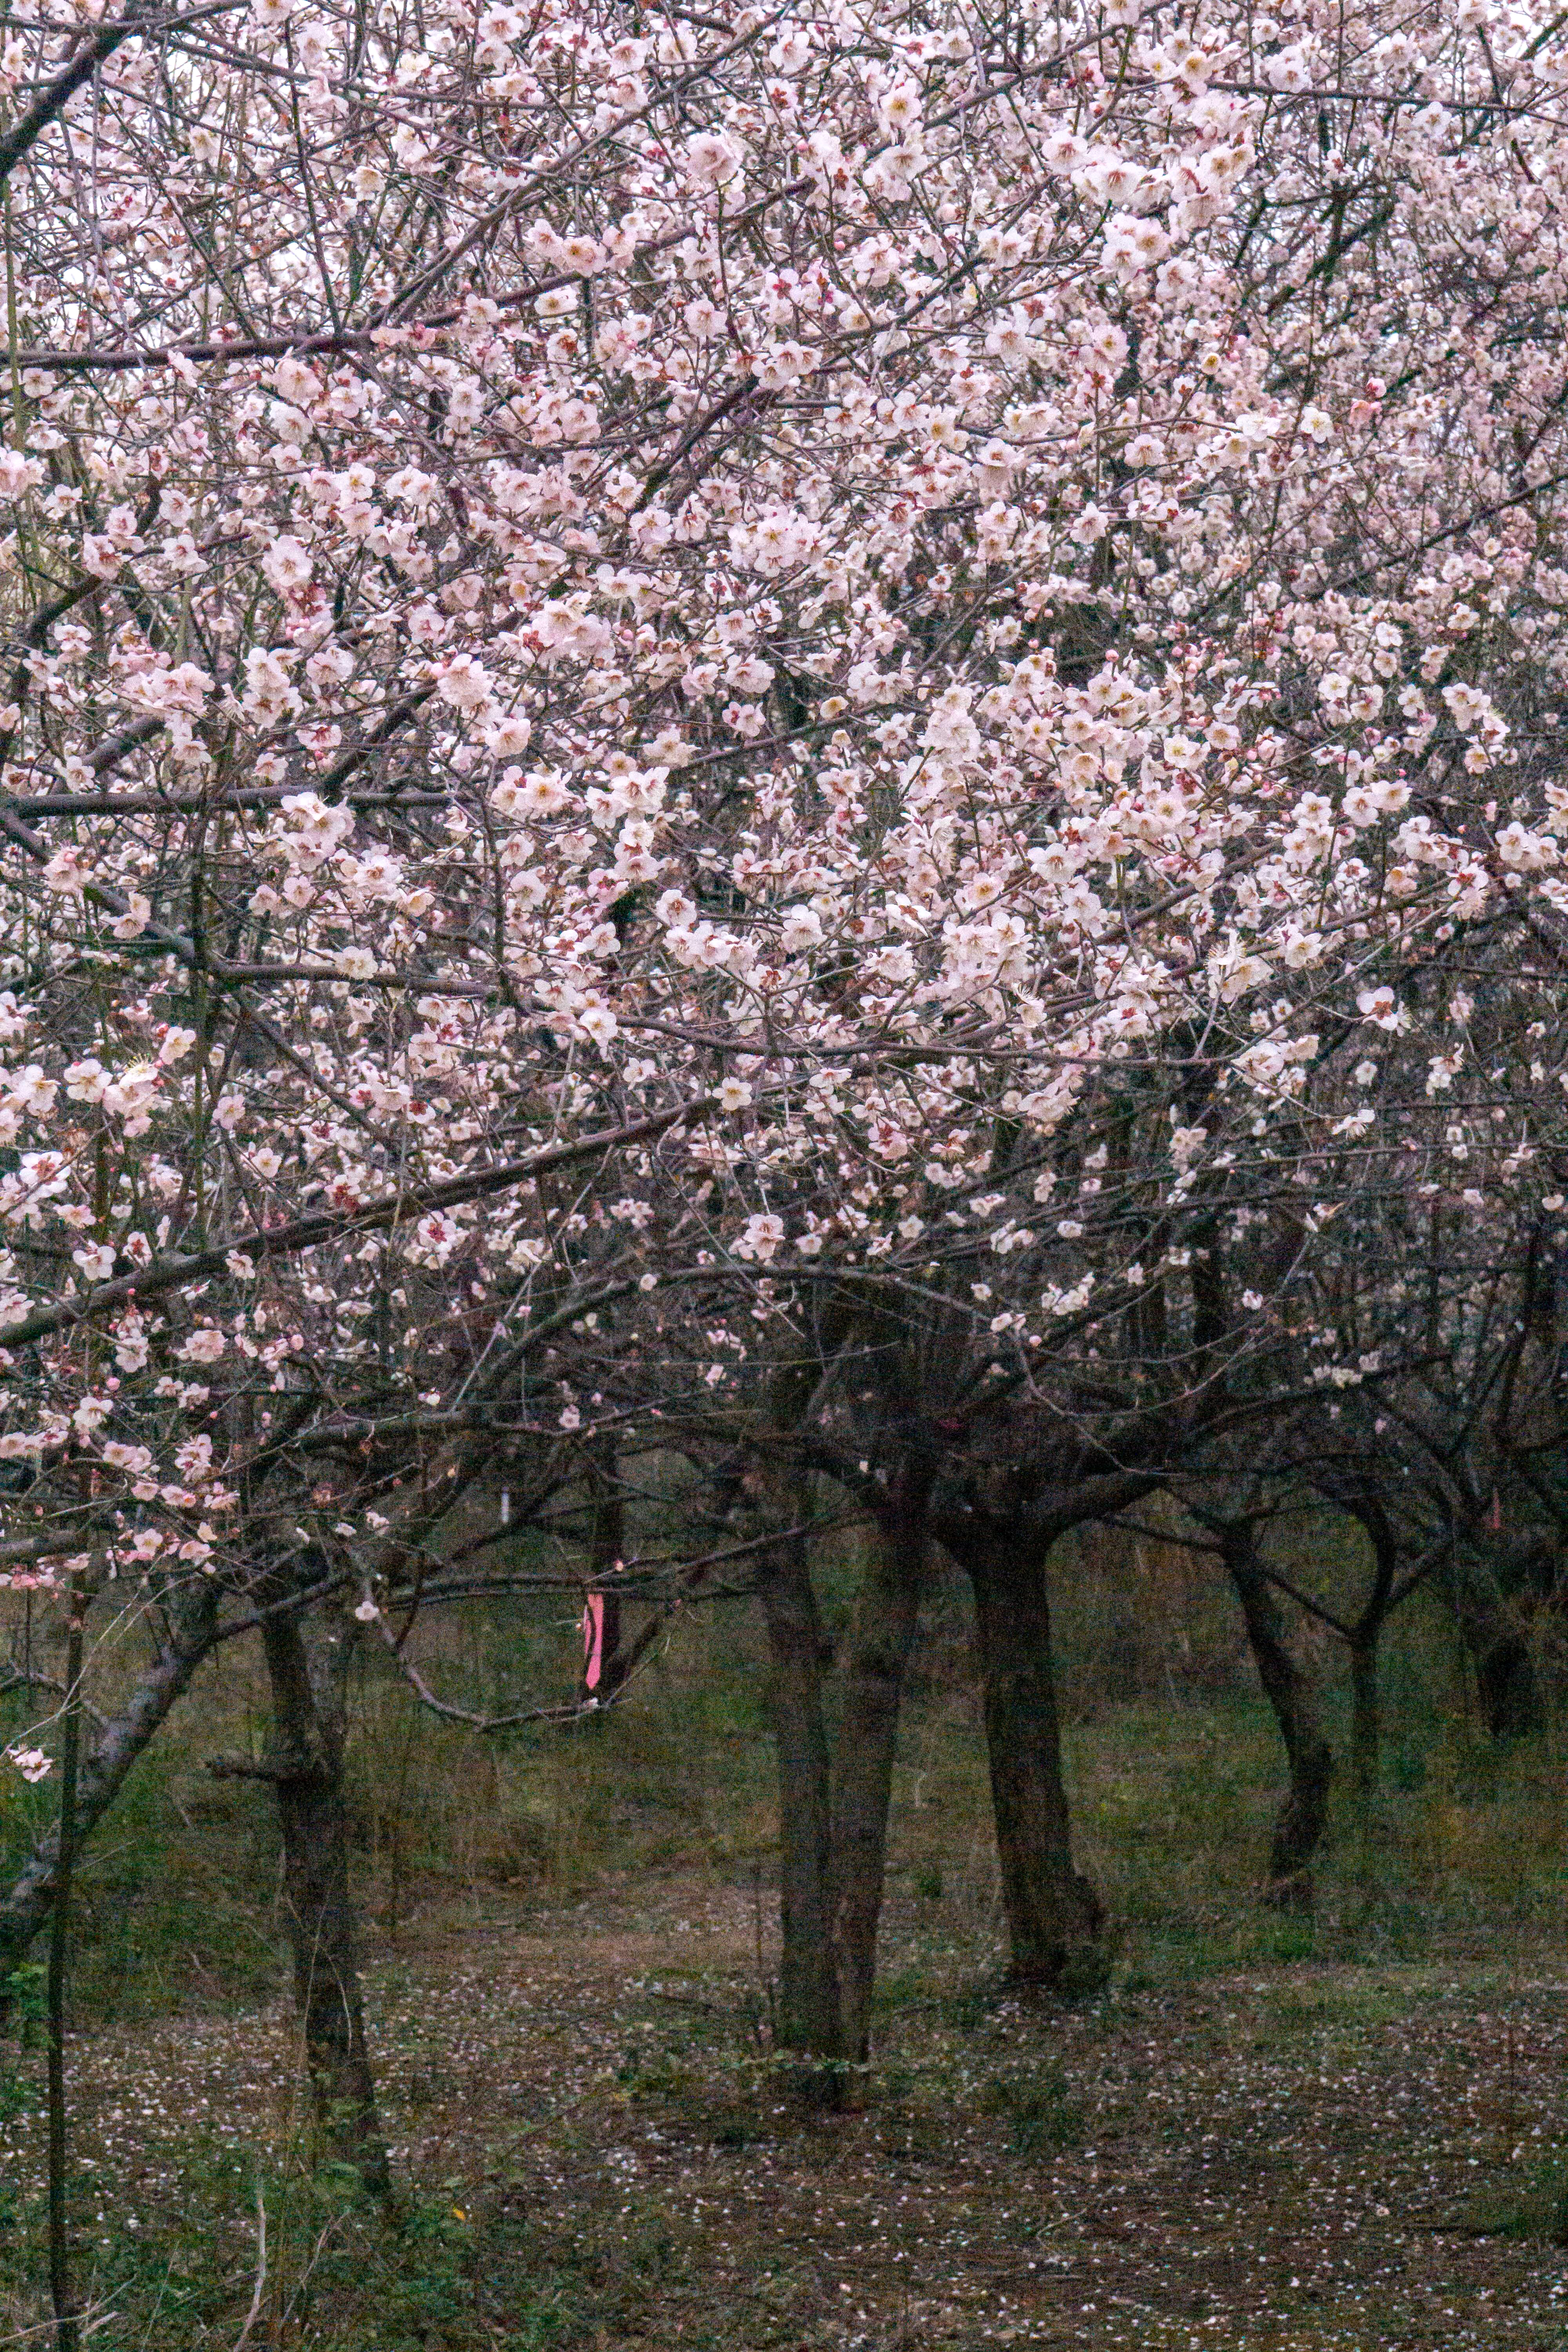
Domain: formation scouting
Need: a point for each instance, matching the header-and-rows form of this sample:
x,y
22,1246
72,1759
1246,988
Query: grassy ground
x,y
1268,2135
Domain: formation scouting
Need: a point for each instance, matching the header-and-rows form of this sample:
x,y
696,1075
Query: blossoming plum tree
x,y
657,660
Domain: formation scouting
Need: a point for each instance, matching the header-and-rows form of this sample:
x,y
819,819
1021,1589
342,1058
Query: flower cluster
x,y
649,664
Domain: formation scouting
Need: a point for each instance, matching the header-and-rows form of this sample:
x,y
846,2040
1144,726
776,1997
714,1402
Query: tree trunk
x,y
27,1903
881,1640
1366,1723
1506,1680
807,2020
1366,1718
307,1773
1055,1917
1299,1824
1492,1597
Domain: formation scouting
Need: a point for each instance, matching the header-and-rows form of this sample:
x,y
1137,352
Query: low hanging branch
x,y
693,1574
315,1232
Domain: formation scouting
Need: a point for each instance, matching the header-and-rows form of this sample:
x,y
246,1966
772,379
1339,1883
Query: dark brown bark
x,y
1362,1634
57,95
27,1903
307,1770
807,2018
1055,1918
876,1658
1366,1633
1366,1719
1496,1591
1303,1818
1505,1675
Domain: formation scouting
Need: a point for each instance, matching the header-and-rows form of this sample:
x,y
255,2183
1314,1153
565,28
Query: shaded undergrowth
x,y
1269,2131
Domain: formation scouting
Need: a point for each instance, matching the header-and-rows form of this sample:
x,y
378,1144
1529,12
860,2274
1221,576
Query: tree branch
x,y
312,1233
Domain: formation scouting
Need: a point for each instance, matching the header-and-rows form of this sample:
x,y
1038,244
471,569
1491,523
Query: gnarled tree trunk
x,y
835,1792
1365,1636
27,1903
807,2019
1366,1716
1498,1586
1303,1818
876,1659
307,1770
1055,1918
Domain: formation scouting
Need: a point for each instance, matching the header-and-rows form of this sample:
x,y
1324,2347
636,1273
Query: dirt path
x,y
581,2106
